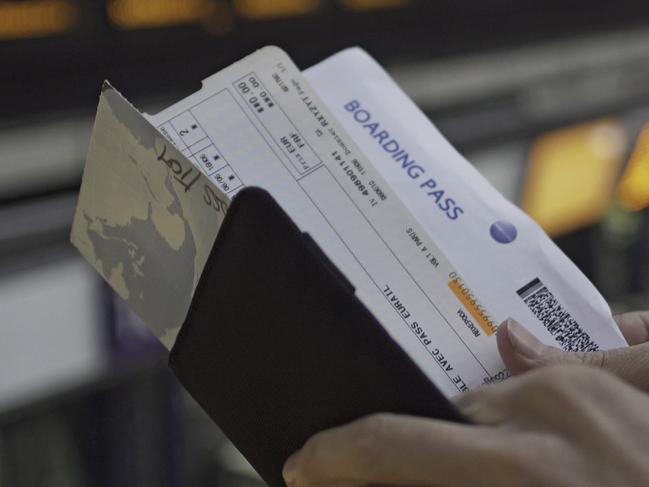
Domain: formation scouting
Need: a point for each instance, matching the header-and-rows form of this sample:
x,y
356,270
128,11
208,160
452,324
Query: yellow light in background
x,y
145,14
634,185
572,175
267,9
36,18
363,5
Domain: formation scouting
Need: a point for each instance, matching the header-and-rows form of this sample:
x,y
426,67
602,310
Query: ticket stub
x,y
259,123
146,217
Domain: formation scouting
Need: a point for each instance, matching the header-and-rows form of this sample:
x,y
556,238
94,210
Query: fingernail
x,y
522,340
289,472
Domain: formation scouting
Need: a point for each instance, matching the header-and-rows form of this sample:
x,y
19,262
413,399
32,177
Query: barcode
x,y
555,318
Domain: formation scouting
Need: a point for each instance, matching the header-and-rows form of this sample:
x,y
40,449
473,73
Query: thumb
x,y
521,351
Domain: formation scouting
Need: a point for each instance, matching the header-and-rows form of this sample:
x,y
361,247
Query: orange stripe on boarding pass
x,y
471,304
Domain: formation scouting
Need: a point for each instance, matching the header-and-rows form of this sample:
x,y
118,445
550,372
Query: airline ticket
x,y
433,251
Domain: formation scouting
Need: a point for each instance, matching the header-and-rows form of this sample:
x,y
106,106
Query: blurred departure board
x,y
136,14
35,19
146,44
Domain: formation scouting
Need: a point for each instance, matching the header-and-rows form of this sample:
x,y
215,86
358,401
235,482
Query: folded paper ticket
x,y
435,253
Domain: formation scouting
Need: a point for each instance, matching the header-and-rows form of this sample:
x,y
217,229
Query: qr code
x,y
555,318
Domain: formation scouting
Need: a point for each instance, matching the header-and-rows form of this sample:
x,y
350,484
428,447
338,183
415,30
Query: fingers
x,y
489,406
401,450
521,398
558,417
634,326
521,351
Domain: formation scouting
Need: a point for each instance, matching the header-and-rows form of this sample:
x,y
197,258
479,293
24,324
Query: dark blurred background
x,y
548,99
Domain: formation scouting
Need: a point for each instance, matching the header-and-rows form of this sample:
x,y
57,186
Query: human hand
x,y
521,351
559,426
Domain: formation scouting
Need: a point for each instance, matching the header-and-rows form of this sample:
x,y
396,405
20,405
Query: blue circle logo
x,y
503,232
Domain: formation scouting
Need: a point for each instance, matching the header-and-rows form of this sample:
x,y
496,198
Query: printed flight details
x,y
271,130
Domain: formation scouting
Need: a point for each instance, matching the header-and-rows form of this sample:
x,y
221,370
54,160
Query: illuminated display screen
x,y
36,18
572,175
361,5
263,9
634,185
137,14
44,18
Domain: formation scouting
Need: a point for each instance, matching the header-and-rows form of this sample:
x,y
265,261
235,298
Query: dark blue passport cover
x,y
277,347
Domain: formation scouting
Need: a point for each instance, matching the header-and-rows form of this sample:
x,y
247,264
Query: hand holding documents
x,y
433,251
